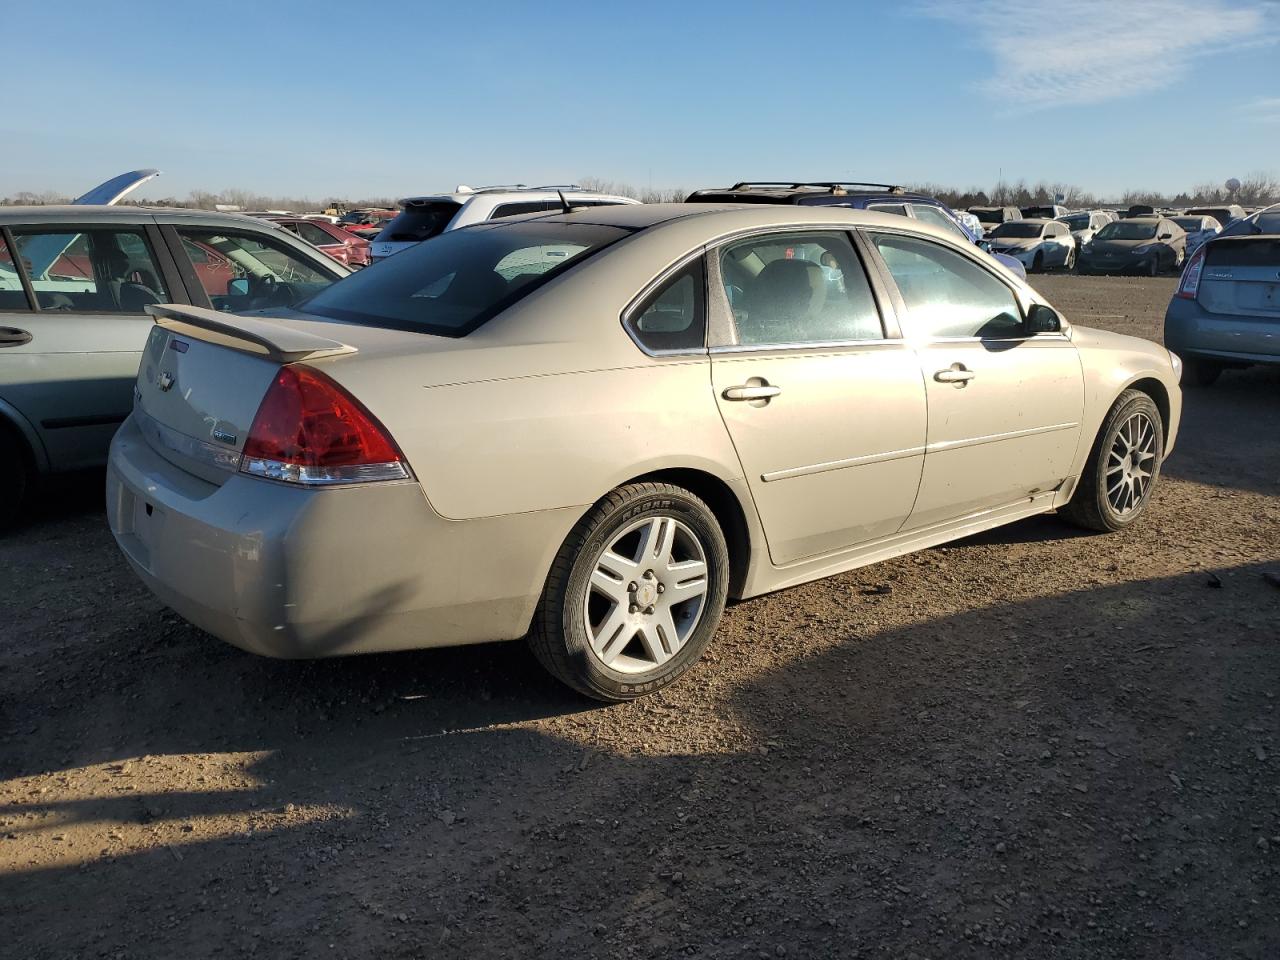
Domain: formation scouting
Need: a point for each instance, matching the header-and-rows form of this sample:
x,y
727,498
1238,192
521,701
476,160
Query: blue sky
x,y
388,98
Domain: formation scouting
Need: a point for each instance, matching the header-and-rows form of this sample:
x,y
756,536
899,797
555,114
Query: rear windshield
x,y
455,282
1036,212
987,216
1193,224
1017,229
420,221
1127,230
1221,214
1260,252
1077,221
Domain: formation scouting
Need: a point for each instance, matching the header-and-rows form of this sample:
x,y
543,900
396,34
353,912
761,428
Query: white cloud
x,y
1090,51
1261,110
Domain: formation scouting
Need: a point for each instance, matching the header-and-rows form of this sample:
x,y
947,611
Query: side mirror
x,y
1042,319
239,287
1165,236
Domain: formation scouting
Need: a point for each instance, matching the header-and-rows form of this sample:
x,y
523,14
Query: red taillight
x,y
309,430
1190,281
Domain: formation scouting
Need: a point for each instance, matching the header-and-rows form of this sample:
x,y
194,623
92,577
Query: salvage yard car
x,y
1226,310
73,319
1149,245
421,218
1038,245
508,431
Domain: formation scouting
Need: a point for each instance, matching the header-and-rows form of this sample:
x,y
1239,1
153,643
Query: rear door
x,y
825,405
72,375
1004,408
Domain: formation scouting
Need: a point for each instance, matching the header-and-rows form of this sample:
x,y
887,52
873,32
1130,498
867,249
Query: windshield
x,y
1193,224
1127,230
420,221
452,284
1017,229
1077,221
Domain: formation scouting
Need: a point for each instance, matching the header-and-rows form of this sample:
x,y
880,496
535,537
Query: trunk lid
x,y
1242,277
202,377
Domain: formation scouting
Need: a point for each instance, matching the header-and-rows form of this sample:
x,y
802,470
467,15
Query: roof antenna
x,y
564,204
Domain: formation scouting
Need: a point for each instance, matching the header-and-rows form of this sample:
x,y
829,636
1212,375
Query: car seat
x,y
780,302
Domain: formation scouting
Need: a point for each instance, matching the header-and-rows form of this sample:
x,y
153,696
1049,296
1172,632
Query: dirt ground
x,y
1033,743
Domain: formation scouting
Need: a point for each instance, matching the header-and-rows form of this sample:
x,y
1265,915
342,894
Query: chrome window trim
x,y
820,346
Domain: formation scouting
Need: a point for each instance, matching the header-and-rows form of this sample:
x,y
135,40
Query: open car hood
x,y
117,188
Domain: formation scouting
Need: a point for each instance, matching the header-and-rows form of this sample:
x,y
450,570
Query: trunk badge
x,y
223,436
165,381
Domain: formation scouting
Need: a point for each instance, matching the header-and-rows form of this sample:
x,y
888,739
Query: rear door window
x,y
313,234
798,288
95,270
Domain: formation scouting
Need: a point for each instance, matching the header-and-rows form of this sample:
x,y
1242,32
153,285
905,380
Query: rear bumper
x,y
1190,331
1113,264
300,573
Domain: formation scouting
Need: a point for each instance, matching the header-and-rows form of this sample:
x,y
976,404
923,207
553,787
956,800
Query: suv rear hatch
x,y
419,219
1242,277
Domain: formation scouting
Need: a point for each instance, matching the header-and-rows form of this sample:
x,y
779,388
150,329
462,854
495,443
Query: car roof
x,y
727,217
522,193
85,212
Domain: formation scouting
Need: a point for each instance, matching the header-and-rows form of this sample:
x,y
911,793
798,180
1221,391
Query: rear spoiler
x,y
281,343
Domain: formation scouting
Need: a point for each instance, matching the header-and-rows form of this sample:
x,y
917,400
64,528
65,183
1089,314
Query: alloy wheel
x,y
1131,464
646,594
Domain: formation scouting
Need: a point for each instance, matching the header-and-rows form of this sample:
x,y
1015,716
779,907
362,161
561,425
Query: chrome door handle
x,y
13,337
753,392
956,373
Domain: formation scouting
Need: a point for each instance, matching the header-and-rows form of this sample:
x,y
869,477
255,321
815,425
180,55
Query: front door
x,y
1004,406
826,413
72,376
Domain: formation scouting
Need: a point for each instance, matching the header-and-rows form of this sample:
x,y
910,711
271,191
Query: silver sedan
x,y
593,428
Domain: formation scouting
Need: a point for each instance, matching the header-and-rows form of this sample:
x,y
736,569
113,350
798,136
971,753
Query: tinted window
x,y
673,317
94,271
1260,252
899,208
272,274
460,279
946,294
420,221
799,288
525,206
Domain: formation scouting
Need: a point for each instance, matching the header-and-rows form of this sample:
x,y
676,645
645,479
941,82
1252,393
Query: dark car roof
x,y
816,192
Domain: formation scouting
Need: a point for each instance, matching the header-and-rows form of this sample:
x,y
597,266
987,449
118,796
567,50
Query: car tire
x,y
1201,373
1111,494
15,476
1070,263
581,632
1037,265
1154,269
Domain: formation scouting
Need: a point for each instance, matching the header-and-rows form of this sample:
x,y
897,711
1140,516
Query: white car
x,y
421,218
1037,244
1085,223
1199,229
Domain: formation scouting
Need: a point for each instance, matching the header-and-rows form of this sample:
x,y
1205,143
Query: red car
x,y
346,248
361,220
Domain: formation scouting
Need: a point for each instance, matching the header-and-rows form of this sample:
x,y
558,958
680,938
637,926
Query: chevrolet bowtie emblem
x,y
165,381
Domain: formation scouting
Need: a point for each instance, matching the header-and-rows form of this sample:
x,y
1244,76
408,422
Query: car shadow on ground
x,y
1065,775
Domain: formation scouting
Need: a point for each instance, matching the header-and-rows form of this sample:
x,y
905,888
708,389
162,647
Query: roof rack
x,y
833,186
513,187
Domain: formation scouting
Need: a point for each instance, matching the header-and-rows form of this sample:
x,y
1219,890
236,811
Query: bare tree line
x,y
1255,190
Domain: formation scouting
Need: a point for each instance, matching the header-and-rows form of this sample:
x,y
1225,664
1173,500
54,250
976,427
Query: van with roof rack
x,y
421,218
